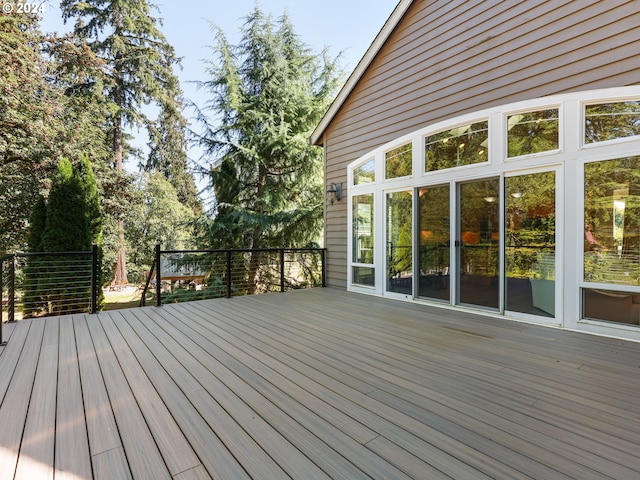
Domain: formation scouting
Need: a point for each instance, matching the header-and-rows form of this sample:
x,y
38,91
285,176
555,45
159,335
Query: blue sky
x,y
347,26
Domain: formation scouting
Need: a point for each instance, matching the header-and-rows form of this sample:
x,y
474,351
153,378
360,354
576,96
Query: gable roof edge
x,y
355,76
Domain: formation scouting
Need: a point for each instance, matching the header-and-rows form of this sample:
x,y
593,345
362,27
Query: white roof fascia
x,y
354,78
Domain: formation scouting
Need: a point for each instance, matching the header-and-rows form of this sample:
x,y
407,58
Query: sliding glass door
x,y
434,242
399,248
478,243
530,243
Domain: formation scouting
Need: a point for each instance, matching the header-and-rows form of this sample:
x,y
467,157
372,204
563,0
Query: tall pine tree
x,y
269,92
140,63
168,152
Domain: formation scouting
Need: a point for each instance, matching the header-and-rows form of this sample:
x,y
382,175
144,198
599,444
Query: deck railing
x,y
51,283
59,283
184,275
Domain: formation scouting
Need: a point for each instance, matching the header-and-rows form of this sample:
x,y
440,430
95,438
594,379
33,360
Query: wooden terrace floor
x,y
314,384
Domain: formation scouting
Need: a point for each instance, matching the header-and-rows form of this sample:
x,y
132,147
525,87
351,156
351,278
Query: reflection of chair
x,y
442,278
470,238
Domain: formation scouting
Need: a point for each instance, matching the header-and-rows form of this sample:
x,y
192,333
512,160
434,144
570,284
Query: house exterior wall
x,y
445,58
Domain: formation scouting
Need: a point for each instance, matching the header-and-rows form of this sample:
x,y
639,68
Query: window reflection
x,y
398,162
530,243
608,121
479,242
612,221
363,276
363,228
399,249
365,173
532,132
611,306
464,145
435,242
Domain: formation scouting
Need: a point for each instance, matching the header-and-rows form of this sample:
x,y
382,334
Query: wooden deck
x,y
314,384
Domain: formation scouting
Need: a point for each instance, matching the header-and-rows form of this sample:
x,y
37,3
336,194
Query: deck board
x,y
143,455
174,448
105,445
315,384
17,398
237,397
332,440
38,437
206,444
72,457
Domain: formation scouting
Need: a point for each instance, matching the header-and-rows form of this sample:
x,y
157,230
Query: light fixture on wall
x,y
335,192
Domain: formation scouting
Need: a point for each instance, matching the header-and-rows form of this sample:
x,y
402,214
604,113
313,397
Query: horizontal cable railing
x,y
179,275
48,283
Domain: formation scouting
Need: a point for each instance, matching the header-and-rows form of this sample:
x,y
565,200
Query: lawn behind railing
x,y
49,283
185,275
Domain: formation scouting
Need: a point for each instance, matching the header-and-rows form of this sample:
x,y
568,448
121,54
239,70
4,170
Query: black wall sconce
x,y
335,192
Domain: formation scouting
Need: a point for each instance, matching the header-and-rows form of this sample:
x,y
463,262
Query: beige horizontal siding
x,y
446,58
425,86
335,232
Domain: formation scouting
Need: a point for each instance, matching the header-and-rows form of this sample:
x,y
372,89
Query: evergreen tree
x,y
93,216
92,211
33,301
66,230
70,222
51,106
140,64
168,153
269,92
28,125
67,227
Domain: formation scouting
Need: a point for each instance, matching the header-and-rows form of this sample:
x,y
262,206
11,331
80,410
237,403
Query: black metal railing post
x,y
12,289
323,259
282,270
228,273
158,278
94,279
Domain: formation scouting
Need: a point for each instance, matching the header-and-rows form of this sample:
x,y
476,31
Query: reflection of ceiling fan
x,y
459,131
513,120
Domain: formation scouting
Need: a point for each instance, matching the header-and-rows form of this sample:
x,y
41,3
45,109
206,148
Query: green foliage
x,y
67,228
140,65
398,162
399,238
533,132
37,225
33,298
50,108
25,136
531,226
269,92
140,60
464,145
612,221
167,153
157,216
69,221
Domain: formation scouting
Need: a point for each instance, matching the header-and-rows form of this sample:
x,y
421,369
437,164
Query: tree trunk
x,y
120,268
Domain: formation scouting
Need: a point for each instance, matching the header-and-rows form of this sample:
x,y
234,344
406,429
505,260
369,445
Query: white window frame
x,y
568,163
